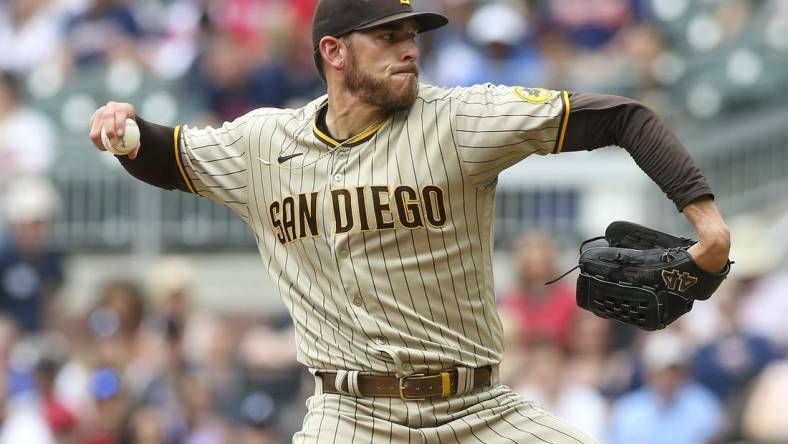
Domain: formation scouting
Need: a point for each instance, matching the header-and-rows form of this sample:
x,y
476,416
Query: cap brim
x,y
427,21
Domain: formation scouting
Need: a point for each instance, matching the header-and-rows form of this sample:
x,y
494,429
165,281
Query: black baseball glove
x,y
643,277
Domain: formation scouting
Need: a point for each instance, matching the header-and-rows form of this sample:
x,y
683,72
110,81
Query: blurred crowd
x,y
718,375
143,365
230,56
223,58
146,365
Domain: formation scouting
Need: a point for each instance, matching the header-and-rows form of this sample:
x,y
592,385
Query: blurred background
x,y
131,315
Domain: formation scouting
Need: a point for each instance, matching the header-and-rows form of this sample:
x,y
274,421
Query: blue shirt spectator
x,y
728,364
693,416
31,268
26,283
671,408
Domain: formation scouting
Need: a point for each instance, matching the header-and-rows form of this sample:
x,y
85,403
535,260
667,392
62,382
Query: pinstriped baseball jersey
x,y
380,245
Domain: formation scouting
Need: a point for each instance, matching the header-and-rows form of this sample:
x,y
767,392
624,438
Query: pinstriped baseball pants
x,y
495,415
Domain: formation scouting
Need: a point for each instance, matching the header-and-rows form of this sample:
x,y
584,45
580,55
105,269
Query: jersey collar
x,y
320,129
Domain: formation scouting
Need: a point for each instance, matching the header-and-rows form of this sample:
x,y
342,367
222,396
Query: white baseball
x,y
131,138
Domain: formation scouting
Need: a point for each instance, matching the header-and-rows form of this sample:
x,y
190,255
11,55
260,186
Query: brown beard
x,y
375,91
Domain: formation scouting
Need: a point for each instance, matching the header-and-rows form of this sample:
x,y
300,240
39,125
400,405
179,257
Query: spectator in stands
x,y
117,319
642,45
112,406
30,34
500,30
33,412
212,343
671,407
8,336
106,29
223,76
31,267
590,24
201,424
558,58
764,308
763,283
177,386
594,360
61,419
146,426
256,415
445,52
764,415
24,423
268,359
26,136
236,73
288,80
170,286
543,311
729,363
545,382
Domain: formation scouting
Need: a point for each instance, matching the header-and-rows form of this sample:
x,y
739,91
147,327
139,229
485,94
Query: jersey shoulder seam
x,y
452,126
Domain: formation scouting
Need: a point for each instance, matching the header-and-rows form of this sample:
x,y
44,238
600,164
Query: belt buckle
x,y
445,387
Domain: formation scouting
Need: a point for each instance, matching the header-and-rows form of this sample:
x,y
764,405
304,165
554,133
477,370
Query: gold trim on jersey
x,y
324,137
567,110
358,138
366,134
176,138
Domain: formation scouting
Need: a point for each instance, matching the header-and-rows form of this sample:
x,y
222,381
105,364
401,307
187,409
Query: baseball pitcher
x,y
372,208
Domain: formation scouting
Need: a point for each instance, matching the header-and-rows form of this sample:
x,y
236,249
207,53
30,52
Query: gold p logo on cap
x,y
404,2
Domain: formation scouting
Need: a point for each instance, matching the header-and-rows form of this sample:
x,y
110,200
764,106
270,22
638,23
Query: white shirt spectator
x,y
33,43
25,423
26,143
764,309
581,406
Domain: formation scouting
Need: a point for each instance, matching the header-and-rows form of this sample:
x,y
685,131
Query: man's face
x,y
382,66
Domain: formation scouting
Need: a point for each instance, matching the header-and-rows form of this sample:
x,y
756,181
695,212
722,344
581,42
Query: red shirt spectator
x,y
546,316
541,312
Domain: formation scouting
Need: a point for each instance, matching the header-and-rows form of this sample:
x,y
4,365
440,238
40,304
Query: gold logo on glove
x,y
676,280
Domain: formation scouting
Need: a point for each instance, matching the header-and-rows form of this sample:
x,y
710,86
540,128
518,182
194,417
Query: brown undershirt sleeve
x,y
597,121
156,163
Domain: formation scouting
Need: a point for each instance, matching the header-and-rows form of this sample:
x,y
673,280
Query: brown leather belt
x,y
409,388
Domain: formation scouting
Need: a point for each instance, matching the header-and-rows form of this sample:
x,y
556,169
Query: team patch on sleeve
x,y
499,125
535,95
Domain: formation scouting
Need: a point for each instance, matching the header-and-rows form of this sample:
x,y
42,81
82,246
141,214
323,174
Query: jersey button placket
x,y
340,164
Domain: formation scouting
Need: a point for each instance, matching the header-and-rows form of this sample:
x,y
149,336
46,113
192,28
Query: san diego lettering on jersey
x,y
368,244
364,208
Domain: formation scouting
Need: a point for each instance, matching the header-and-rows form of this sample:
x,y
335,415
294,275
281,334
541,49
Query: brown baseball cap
x,y
336,18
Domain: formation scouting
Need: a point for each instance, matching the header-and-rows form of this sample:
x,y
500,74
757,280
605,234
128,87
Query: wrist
x,y
707,221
